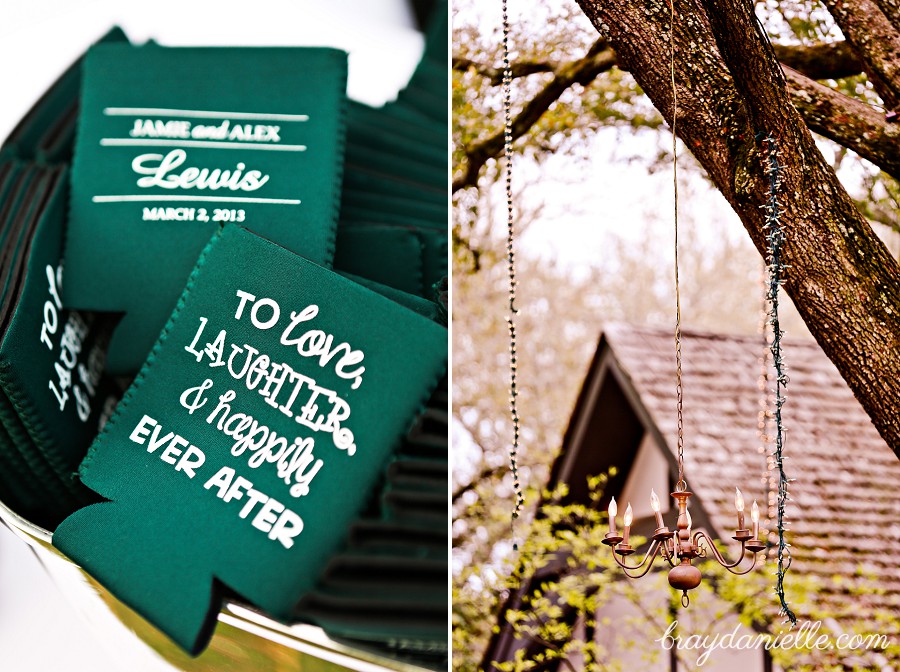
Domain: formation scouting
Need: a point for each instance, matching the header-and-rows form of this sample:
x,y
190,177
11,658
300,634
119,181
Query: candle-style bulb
x,y
654,504
739,505
613,510
754,516
629,516
690,522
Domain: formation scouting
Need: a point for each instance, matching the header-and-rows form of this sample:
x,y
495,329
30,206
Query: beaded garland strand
x,y
511,271
774,231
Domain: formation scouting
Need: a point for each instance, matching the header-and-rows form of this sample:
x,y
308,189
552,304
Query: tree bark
x,y
847,121
828,60
841,277
891,9
877,42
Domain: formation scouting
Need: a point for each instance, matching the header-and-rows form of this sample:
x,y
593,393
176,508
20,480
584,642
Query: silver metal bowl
x,y
244,640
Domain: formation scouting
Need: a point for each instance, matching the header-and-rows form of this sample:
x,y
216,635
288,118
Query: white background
x,y
39,631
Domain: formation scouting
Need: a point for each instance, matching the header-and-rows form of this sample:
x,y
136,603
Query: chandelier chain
x,y
519,498
679,388
680,547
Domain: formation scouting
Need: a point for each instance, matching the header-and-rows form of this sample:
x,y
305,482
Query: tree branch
x,y
546,642
831,236
847,121
583,71
827,60
495,75
831,60
875,40
891,9
484,474
841,277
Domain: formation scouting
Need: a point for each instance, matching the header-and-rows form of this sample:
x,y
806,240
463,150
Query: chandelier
x,y
680,547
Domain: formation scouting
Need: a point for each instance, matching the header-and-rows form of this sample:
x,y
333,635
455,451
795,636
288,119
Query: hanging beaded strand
x,y
775,239
519,498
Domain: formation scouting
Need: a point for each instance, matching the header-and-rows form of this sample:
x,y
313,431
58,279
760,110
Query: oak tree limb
x,y
841,277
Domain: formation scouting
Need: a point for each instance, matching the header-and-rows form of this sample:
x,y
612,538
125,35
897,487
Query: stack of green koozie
x,y
393,225
238,386
53,390
392,575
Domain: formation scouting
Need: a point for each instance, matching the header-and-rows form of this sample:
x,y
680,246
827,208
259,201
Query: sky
x,y
39,39
612,197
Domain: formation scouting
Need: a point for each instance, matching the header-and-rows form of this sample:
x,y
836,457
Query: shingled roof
x,y
845,508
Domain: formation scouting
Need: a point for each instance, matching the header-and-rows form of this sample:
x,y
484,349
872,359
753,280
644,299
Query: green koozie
x,y
173,142
405,258
252,438
52,358
53,393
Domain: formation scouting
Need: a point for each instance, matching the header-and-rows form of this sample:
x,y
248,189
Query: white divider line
x,y
207,199
201,114
128,142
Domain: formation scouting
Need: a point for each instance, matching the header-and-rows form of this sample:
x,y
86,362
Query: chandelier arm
x,y
667,553
652,552
701,534
636,576
744,571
